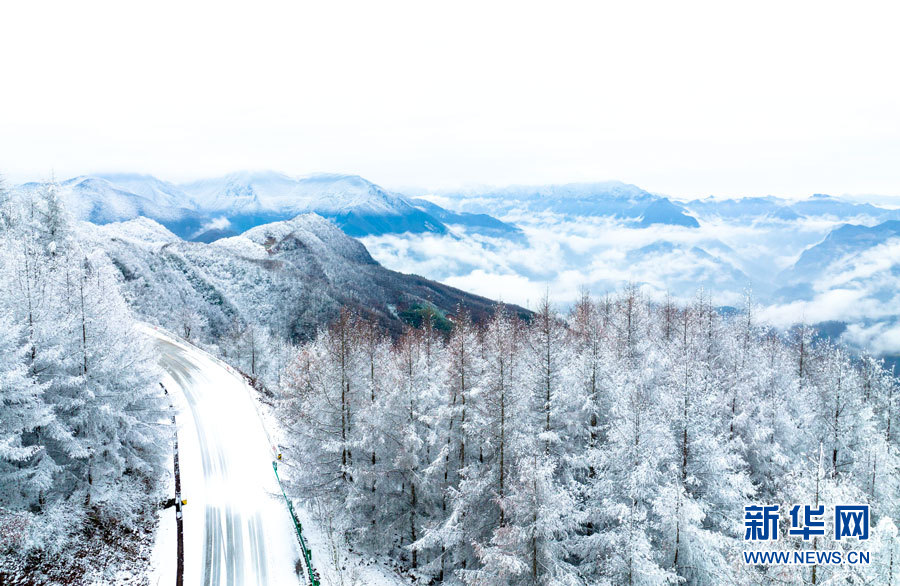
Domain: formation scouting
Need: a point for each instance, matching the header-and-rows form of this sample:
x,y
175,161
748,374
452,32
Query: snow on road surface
x,y
237,530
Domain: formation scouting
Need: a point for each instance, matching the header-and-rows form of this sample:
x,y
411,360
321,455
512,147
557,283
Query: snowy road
x,y
237,530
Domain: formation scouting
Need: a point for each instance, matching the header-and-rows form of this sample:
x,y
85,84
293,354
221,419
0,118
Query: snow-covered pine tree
x,y
22,411
587,329
623,496
702,469
454,423
543,495
664,420
81,410
367,503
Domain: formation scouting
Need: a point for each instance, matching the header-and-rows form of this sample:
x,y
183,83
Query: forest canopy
x,y
618,444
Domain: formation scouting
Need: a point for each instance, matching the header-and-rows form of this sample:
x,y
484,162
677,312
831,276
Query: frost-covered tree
x,y
616,446
80,413
22,411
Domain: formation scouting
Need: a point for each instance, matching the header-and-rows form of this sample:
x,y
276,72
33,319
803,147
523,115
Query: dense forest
x,y
616,445
81,440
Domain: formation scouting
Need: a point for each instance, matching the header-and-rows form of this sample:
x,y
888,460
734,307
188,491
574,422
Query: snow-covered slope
x,y
663,211
317,235
161,193
137,230
101,200
269,190
291,275
210,209
358,206
845,246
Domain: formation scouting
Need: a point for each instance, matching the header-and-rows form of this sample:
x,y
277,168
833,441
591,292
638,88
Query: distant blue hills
x,y
210,209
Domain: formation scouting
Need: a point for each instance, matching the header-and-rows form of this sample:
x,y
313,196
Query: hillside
x,y
292,275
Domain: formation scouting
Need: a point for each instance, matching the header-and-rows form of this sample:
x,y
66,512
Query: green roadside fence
x,y
307,553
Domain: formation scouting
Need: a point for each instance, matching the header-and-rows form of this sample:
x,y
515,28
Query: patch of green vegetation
x,y
415,315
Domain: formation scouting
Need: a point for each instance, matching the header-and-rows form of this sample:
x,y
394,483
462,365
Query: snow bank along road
x,y
236,527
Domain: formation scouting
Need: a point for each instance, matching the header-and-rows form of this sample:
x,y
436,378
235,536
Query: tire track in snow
x,y
246,536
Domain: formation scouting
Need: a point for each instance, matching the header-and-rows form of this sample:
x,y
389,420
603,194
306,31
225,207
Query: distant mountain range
x,y
630,202
816,206
606,199
210,209
362,208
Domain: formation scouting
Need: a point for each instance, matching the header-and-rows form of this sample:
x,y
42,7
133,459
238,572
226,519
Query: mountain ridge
x,y
209,209
295,274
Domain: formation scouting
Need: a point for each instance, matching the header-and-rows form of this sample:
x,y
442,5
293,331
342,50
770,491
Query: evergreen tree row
x,y
616,445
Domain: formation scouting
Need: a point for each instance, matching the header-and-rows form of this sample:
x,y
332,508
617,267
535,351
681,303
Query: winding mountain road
x,y
236,527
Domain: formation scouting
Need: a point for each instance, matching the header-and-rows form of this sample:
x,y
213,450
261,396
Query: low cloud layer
x,y
564,256
217,224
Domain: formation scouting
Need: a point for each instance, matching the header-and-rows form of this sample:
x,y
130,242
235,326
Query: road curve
x,y
237,530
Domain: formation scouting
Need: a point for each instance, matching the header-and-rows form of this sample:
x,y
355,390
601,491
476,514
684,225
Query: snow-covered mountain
x,y
584,234
850,280
610,198
358,206
249,191
101,200
630,202
681,268
162,193
845,246
818,259
210,209
475,223
774,208
663,211
292,275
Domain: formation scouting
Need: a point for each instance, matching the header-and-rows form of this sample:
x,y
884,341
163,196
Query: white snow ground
x,y
236,527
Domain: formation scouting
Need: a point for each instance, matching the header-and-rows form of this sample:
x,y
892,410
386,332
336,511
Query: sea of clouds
x,y
564,256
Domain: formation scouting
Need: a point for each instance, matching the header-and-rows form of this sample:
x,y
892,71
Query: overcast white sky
x,y
688,99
